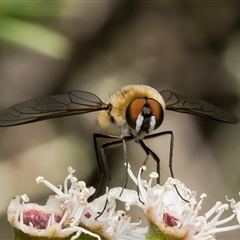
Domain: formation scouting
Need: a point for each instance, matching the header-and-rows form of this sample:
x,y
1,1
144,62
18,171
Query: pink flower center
x,y
170,220
38,219
87,215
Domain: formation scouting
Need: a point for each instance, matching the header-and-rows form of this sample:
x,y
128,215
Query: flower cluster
x,y
68,212
172,211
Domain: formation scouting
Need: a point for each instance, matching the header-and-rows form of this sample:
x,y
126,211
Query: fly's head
x,y
143,115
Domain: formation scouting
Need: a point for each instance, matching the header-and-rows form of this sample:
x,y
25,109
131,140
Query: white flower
x,y
174,209
68,212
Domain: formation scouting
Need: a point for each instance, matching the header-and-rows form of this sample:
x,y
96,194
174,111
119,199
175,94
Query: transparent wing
x,y
75,102
191,105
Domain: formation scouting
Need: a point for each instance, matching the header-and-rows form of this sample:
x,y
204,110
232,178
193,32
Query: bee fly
x,y
133,112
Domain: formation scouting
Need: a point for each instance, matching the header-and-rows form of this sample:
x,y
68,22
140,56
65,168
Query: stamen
x,y
50,185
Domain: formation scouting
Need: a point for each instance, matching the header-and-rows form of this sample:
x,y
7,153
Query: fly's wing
x,y
75,102
191,105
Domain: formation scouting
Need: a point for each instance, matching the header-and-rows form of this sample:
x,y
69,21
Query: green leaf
x,y
35,37
33,8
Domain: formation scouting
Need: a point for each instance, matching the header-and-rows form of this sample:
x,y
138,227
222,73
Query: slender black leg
x,y
148,152
111,144
155,157
170,163
97,136
125,179
116,141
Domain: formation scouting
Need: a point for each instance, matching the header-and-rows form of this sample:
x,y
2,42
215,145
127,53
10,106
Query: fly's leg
x,y
97,136
116,141
149,152
170,162
155,157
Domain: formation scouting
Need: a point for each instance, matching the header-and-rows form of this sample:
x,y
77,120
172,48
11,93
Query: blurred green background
x,y
54,47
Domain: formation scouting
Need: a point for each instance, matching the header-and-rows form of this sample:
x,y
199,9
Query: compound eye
x,y
157,111
133,111
136,106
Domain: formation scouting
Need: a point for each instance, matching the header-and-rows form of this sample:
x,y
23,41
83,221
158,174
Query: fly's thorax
x,y
130,116
109,124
